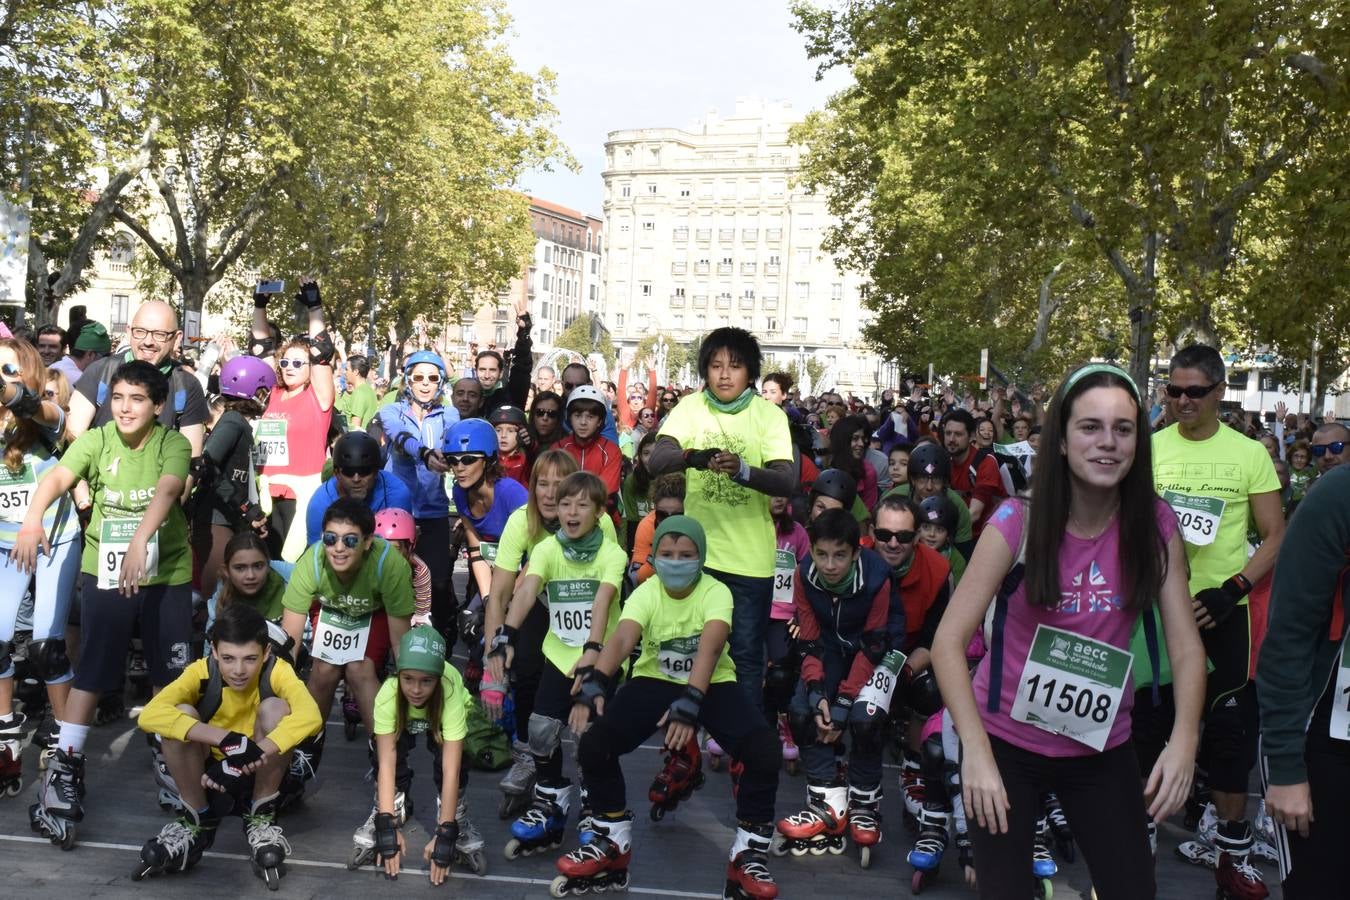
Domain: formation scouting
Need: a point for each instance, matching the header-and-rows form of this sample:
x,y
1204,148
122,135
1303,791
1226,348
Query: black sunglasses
x,y
545,414
463,459
661,515
1195,391
1334,448
669,398
885,537
357,471
349,540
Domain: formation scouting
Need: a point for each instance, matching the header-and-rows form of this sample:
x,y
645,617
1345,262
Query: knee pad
x,y
6,657
922,695
932,760
545,735
867,730
48,659
951,778
803,727
779,683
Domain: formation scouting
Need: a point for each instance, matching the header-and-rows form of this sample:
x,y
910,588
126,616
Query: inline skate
x,y
926,857
748,876
469,844
178,846
1236,877
601,863
11,754
45,738
1059,827
682,775
543,824
268,845
820,827
517,785
912,788
58,807
168,798
864,821
791,755
363,839
1043,866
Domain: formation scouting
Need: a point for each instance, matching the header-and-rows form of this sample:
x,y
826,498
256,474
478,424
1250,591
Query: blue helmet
x,y
471,436
424,356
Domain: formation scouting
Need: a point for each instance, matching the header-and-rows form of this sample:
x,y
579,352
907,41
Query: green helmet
x,y
422,649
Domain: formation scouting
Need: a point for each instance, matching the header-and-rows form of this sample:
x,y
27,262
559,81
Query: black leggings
x,y
433,547
283,514
1102,798
1319,859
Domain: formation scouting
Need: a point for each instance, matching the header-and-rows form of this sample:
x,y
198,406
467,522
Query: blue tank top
x,y
508,495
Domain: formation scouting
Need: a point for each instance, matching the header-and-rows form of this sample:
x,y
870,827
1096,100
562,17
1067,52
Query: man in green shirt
x,y
359,404
136,567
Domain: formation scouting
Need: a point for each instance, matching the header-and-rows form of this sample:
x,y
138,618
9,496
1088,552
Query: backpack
x,y
178,389
213,686
486,745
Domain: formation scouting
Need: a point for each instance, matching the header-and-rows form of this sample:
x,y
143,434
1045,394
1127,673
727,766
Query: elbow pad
x,y
874,645
262,347
401,442
321,349
25,404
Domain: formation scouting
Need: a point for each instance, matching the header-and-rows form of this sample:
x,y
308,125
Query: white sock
x,y
71,738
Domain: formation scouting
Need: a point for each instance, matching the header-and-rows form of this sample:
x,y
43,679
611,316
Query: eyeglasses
x,y
292,363
1195,391
545,414
349,540
885,537
140,334
464,459
1319,450
357,471
430,379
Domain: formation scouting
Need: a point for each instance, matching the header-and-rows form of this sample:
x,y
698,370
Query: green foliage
x,y
814,369
586,334
677,356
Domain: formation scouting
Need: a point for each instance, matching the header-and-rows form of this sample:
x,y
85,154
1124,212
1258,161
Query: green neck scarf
x,y
843,585
584,548
903,569
734,406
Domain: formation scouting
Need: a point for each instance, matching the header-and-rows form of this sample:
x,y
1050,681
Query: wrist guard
x,y
261,347
260,301
443,851
686,707
24,404
1220,601
594,685
309,295
505,637
321,349
839,711
699,459
386,836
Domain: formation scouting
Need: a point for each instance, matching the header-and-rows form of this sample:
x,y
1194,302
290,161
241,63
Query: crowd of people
x,y
1071,612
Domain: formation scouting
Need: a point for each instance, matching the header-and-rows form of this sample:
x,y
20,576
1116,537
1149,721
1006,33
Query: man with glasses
x,y
356,475
1329,448
1216,480
154,338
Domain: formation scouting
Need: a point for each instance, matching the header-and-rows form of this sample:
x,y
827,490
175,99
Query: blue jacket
x,y
387,492
404,439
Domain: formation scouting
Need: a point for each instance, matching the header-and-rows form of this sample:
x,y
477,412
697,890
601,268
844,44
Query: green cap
x,y
422,649
93,336
686,526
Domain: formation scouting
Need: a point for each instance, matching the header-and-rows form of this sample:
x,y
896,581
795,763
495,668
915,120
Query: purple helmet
x,y
242,376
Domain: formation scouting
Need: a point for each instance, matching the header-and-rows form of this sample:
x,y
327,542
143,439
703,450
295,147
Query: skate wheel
x,y
1044,889
478,862
816,849
349,729
658,813
559,887
12,789
358,859
273,879
916,883
836,847
865,857
67,840
512,849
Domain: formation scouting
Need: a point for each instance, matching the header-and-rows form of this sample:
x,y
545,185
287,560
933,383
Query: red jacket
x,y
599,456
978,482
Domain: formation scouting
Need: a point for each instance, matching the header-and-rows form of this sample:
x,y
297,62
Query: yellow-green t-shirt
x,y
736,520
454,710
514,546
569,590
671,629
1207,483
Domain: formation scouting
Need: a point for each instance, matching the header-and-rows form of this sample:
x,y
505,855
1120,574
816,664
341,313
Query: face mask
x,y
677,574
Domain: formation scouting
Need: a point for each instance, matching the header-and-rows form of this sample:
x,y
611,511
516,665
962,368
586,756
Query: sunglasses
x,y
545,414
357,471
885,537
1195,391
661,515
292,363
11,370
668,399
463,459
349,540
50,395
430,379
1334,448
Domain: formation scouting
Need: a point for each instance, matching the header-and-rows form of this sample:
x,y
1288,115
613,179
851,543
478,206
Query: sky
x,y
637,64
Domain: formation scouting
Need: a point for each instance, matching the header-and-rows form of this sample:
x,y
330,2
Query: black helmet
x,y
356,450
838,484
930,459
506,415
940,510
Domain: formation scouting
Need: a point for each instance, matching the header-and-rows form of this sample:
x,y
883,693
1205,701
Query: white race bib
x,y
784,575
16,492
1072,685
114,540
1198,517
339,638
880,688
488,550
269,443
675,657
569,609
1340,702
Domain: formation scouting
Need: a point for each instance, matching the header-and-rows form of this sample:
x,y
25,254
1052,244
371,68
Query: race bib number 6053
x,y
1072,685
1198,517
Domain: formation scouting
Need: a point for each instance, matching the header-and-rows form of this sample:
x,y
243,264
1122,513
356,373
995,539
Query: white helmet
x,y
586,392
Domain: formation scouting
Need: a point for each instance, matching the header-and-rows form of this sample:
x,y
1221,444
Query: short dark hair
x,y
835,525
51,329
582,366
239,623
898,503
959,415
739,344
1202,357
360,363
782,379
492,353
140,373
352,511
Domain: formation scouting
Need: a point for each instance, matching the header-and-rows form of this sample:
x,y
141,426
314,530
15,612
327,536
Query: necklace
x,y
1092,537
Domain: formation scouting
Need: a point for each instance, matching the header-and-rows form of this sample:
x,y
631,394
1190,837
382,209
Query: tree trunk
x,y
1141,296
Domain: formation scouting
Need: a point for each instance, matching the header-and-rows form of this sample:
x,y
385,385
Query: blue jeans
x,y
750,602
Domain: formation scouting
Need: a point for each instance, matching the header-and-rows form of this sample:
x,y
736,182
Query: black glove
x,y
505,637
839,711
443,851
321,349
686,706
239,750
251,513
1220,601
261,347
594,685
386,837
815,692
700,459
309,295
260,300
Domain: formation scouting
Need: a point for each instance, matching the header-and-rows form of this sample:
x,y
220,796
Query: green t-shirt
x,y
1208,485
122,482
671,628
957,562
570,589
740,532
454,710
963,532
514,546
384,581
361,403
633,503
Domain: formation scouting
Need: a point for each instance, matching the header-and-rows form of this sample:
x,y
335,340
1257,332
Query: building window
x,y
801,290
466,333
705,189
770,324
685,189
700,302
648,225
836,291
501,336
122,253
777,187
651,187
804,256
749,235
701,267
703,235
699,321
677,320
681,234
654,155
726,235
728,189
645,288
595,266
119,313
799,325
546,281
548,253
595,292
773,235
678,267
618,320
806,222
626,190
770,302
834,328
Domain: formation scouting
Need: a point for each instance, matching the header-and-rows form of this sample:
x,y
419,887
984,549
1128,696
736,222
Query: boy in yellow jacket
x,y
229,723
